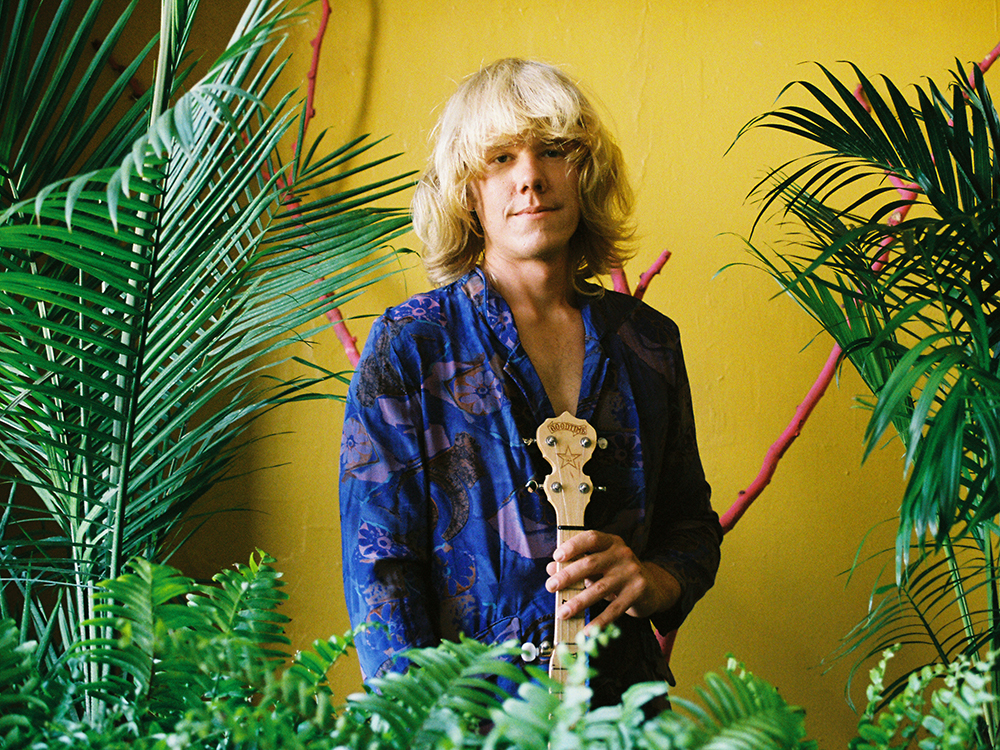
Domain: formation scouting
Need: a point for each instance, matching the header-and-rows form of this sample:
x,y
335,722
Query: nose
x,y
530,175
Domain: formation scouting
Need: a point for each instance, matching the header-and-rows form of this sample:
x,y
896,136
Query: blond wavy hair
x,y
506,101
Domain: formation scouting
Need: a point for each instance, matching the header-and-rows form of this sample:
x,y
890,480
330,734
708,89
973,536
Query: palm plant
x,y
151,274
894,225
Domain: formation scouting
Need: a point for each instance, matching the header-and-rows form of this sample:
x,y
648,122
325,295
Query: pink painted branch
x,y
908,191
349,342
654,269
317,45
988,61
136,87
777,450
666,642
619,281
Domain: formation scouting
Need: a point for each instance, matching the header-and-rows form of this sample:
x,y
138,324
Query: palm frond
x,y
141,297
912,302
51,119
942,603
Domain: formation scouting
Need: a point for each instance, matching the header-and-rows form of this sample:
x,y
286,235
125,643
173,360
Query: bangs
x,y
506,104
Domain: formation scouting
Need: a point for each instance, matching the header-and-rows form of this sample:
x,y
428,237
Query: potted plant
x,y
893,248
147,262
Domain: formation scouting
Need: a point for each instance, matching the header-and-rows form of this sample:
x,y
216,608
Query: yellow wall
x,y
678,80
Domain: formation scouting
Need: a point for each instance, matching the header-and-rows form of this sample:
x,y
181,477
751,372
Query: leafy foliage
x,y
192,676
894,224
940,606
952,717
914,304
153,273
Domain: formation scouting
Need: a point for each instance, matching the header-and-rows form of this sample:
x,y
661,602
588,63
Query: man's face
x,y
527,200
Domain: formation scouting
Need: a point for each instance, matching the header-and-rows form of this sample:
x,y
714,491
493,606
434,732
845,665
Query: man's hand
x,y
610,570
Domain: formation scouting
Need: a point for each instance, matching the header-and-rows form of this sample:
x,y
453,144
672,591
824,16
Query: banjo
x,y
566,443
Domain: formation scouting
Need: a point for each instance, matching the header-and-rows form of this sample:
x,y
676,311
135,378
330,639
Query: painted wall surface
x,y
677,80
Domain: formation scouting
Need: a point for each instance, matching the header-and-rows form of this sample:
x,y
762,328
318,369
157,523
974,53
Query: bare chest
x,y
556,351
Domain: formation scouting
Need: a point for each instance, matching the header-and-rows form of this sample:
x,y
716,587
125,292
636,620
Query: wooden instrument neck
x,y
567,444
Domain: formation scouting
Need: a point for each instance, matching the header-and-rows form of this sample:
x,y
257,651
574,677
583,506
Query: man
x,y
523,203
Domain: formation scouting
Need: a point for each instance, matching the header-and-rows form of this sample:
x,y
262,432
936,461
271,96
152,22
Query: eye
x,y
554,151
501,158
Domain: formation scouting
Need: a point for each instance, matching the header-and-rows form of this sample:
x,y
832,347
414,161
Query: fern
x,y
737,711
949,718
142,606
190,672
20,706
311,667
449,692
243,604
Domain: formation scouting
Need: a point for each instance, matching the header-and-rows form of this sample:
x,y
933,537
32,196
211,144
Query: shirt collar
x,y
599,320
492,307
601,316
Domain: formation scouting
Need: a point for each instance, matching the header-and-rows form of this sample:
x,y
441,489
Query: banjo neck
x,y
566,443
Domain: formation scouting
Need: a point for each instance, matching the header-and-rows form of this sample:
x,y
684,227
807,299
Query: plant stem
x,y
993,622
963,604
125,428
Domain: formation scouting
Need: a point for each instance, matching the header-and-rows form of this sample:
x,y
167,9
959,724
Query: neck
x,y
531,285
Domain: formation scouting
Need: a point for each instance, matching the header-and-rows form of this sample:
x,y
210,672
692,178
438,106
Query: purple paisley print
x,y
441,535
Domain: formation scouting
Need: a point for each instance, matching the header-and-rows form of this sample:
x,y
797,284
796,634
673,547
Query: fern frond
x,y
143,607
311,666
738,711
20,707
244,602
450,688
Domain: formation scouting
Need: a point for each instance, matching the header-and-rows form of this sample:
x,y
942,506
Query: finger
x,y
567,575
616,608
606,590
581,544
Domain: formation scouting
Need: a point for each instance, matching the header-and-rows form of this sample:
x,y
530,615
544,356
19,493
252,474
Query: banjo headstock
x,y
567,443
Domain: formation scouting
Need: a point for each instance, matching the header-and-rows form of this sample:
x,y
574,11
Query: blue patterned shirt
x,y
442,534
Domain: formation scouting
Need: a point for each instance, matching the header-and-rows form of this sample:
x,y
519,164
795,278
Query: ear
x,y
472,199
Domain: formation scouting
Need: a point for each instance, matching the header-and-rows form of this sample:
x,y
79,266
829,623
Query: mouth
x,y
534,210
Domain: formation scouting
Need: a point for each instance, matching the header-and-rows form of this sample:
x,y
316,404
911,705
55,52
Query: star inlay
x,y
569,458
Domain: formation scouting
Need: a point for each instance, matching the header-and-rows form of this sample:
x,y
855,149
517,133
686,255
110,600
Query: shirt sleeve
x,y
383,507
685,534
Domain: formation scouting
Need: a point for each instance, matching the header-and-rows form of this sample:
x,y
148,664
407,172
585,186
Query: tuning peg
x,y
531,486
602,443
528,441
